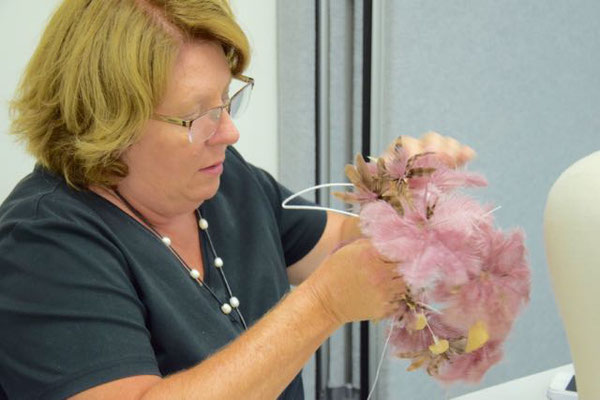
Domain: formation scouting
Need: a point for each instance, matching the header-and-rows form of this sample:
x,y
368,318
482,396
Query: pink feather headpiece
x,y
466,280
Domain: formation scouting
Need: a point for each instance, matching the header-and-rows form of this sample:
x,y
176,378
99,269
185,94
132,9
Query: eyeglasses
x,y
204,126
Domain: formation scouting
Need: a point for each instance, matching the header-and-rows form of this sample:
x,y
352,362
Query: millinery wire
x,y
285,205
297,194
381,358
296,207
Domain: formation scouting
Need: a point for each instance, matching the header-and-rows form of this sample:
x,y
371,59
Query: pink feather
x,y
451,256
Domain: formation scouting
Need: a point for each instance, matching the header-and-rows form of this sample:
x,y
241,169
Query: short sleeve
x,y
70,315
300,230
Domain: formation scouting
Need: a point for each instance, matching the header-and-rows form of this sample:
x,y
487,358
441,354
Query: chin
x,y
207,191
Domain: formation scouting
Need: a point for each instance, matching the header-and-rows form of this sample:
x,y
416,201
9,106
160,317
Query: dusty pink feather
x,y
461,271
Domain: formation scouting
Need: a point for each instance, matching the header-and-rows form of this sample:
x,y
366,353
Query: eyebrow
x,y
201,108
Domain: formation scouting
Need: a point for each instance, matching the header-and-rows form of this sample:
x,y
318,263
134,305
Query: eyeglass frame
x,y
187,123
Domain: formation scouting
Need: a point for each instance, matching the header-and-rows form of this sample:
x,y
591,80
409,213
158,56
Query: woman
x,y
143,258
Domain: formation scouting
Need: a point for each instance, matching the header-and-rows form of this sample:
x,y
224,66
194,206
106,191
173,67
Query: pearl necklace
x,y
226,307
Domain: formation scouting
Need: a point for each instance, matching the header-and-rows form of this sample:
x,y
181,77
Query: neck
x,y
162,219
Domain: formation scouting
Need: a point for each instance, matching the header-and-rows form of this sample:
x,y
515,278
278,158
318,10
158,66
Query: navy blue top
x,y
88,295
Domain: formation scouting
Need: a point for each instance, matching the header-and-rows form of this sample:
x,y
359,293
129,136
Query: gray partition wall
x,y
320,89
516,80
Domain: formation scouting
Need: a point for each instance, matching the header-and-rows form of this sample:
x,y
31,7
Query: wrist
x,y
319,303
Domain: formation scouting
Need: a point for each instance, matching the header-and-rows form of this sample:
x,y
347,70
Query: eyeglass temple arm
x,y
245,78
173,120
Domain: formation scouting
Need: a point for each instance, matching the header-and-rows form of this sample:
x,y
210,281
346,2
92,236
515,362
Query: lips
x,y
213,165
216,168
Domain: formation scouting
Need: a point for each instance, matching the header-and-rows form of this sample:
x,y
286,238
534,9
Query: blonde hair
x,y
98,72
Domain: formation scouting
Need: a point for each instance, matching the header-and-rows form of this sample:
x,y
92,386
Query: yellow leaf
x,y
478,336
439,347
421,322
417,363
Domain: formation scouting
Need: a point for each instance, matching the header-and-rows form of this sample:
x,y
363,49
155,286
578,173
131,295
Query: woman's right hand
x,y
355,283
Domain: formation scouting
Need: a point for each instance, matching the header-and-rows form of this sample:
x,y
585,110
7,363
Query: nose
x,y
226,133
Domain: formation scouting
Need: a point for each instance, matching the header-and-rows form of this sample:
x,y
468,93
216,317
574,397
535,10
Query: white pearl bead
x,y
218,262
195,274
235,303
166,241
226,308
203,224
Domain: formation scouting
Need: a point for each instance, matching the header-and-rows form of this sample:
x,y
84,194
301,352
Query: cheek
x,y
160,155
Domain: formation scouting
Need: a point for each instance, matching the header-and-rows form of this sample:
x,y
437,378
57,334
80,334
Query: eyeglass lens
x,y
206,126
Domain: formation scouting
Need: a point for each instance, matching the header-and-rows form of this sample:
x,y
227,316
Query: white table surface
x,y
531,387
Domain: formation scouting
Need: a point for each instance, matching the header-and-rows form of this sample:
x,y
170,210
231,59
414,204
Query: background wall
x,y
258,126
22,22
518,81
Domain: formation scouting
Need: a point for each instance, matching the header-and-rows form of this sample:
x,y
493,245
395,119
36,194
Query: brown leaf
x,y
381,169
419,172
352,174
397,204
409,354
345,197
397,144
363,170
458,345
391,191
434,366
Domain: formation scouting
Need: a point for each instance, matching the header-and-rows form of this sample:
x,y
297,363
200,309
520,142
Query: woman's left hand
x,y
450,150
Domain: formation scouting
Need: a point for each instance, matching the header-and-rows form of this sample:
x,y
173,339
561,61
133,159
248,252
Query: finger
x,y
440,144
445,148
451,147
432,141
449,151
431,137
388,262
392,309
411,145
398,298
465,155
400,288
446,159
377,255
396,286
